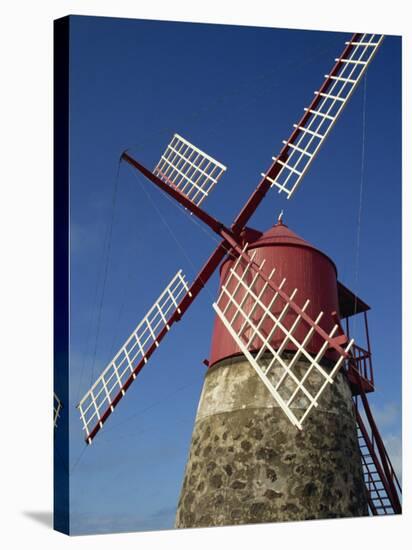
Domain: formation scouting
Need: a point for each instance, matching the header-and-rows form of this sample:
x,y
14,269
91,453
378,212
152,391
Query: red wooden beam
x,y
264,185
176,194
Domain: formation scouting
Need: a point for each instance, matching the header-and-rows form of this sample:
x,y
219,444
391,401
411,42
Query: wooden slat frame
x,y
189,169
319,122
229,307
111,385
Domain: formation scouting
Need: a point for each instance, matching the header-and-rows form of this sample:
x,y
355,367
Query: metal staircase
x,y
382,485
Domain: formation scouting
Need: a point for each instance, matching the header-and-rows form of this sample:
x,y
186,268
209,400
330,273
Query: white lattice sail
x,y
247,313
190,170
57,406
110,387
309,137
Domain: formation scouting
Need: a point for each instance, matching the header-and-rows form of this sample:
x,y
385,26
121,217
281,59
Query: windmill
x,y
295,356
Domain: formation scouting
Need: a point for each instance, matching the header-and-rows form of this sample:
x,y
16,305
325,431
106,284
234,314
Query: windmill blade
x,y
57,407
99,402
188,169
247,313
303,145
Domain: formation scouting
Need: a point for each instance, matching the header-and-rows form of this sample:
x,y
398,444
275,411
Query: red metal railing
x,y
359,368
363,361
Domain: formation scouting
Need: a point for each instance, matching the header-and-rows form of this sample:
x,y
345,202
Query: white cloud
x,y
393,444
85,238
387,415
85,523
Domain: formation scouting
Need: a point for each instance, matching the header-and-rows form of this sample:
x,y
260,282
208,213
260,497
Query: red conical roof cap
x,y
279,235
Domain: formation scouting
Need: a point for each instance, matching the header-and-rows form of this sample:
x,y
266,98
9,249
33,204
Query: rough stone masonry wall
x,y
249,464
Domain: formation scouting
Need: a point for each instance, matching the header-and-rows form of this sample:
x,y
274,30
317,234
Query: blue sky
x,y
234,92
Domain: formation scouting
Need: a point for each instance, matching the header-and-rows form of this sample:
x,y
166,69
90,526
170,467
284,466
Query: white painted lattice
x,y
313,133
111,384
189,169
246,312
57,406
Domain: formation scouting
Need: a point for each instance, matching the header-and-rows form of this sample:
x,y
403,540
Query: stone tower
x,y
247,462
